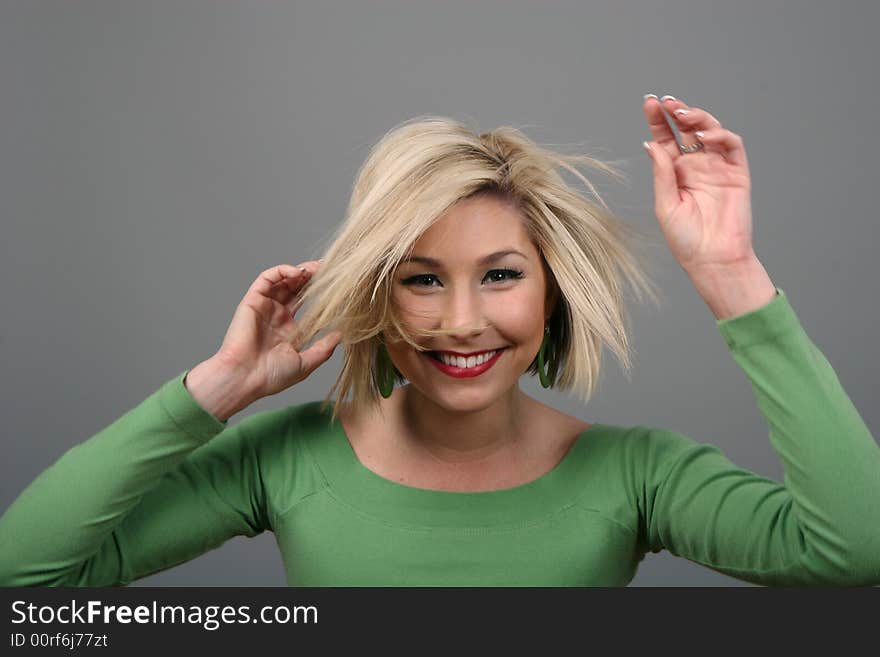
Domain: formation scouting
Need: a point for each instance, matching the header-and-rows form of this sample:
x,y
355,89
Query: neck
x,y
461,436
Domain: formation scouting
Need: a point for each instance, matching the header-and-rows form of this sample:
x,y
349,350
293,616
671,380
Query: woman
x,y
463,244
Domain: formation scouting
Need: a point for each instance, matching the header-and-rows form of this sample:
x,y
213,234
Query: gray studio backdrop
x,y
156,156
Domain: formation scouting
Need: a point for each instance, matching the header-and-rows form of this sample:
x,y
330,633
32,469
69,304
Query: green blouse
x,y
168,481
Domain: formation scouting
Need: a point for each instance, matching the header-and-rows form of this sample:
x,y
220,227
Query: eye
x,y
506,274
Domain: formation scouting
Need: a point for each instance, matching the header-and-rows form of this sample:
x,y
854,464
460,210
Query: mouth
x,y
463,372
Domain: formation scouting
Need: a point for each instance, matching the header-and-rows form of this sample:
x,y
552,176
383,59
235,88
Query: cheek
x,y
414,308
519,312
515,325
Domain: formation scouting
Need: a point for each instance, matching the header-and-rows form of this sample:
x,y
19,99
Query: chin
x,y
459,399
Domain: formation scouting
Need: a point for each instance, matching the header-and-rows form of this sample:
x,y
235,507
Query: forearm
x,y
59,525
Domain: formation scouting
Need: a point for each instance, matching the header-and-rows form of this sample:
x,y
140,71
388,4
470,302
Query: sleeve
x,y
162,484
822,527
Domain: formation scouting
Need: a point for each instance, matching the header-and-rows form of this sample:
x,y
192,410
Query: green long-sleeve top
x,y
168,481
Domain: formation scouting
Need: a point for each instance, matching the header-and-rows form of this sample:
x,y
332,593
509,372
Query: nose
x,y
464,313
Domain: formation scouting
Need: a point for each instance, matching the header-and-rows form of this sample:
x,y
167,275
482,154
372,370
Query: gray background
x,y
156,156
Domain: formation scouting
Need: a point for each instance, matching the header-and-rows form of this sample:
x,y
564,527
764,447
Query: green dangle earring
x,y
546,377
384,372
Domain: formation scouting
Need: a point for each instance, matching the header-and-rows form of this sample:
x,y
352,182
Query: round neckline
x,y
362,488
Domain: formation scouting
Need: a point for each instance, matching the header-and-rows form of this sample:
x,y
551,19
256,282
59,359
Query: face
x,y
507,295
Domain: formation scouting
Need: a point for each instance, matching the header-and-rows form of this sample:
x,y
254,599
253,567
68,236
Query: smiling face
x,y
507,295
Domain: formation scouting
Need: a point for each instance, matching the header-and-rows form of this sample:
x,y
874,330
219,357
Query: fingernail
x,y
647,96
667,97
700,134
321,260
647,146
681,112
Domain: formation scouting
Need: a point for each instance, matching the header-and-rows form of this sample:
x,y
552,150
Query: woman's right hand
x,y
258,342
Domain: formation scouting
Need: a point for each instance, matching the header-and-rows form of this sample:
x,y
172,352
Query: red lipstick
x,y
465,372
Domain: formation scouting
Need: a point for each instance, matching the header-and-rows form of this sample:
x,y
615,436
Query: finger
x,y
661,130
688,119
320,351
312,266
275,275
309,268
676,109
726,142
277,286
691,119
666,196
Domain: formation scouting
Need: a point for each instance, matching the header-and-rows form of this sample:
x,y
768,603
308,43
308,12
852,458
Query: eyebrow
x,y
492,257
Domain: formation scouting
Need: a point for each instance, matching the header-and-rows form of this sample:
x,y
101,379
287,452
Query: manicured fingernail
x,y
681,112
647,146
667,97
647,96
700,134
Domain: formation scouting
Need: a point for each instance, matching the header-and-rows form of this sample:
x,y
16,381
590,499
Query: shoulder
x,y
644,450
278,434
625,445
281,442
647,439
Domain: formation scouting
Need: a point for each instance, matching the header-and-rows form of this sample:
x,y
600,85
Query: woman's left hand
x,y
701,199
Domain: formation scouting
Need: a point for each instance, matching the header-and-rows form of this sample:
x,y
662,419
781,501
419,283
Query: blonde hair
x,y
412,176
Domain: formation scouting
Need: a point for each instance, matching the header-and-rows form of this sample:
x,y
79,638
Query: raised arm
x,y
822,526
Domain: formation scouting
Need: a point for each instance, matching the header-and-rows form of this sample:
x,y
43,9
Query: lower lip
x,y
466,372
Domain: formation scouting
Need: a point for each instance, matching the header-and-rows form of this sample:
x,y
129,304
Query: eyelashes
x,y
509,274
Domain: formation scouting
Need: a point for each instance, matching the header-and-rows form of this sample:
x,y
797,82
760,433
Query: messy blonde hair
x,y
411,177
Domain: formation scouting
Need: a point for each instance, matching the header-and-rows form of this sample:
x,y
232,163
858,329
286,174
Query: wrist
x,y
734,290
219,388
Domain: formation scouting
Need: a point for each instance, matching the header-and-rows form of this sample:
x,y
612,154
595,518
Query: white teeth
x,y
460,361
